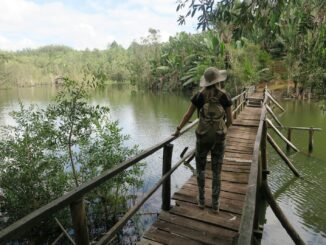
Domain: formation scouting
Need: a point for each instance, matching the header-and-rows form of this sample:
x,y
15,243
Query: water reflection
x,y
302,199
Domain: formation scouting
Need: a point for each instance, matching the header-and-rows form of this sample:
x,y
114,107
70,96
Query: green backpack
x,y
211,115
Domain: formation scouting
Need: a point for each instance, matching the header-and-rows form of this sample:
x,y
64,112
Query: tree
x,y
50,151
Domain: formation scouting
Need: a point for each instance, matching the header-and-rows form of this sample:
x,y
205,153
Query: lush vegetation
x,y
292,32
51,150
173,65
254,40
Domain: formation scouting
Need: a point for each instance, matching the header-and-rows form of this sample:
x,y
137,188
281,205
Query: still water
x,y
302,200
151,117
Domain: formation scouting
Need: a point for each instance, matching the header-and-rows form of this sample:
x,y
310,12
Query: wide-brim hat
x,y
211,76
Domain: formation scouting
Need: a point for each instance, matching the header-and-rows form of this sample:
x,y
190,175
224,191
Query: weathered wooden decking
x,y
185,223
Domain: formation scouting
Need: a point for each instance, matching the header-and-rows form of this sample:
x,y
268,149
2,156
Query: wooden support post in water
x,y
288,147
280,215
310,146
166,188
79,222
282,155
281,135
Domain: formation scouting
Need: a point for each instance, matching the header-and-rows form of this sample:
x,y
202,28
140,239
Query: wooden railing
x,y
258,190
239,102
74,197
250,212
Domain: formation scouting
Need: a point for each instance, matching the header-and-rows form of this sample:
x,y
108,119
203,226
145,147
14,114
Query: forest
x,y
265,41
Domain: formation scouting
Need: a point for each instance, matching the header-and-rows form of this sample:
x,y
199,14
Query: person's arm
x,y
185,118
229,117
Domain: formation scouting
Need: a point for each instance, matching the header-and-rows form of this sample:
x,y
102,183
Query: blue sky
x,y
85,23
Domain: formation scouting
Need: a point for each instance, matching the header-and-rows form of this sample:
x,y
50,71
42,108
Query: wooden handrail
x,y
19,227
33,218
248,213
110,234
239,95
299,128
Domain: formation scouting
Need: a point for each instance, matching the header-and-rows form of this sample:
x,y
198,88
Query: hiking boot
x,y
216,208
201,203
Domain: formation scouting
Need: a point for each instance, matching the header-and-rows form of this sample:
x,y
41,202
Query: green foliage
x,y
51,150
287,32
290,30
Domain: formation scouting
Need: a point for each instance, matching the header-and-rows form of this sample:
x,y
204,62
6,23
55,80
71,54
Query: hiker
x,y
214,107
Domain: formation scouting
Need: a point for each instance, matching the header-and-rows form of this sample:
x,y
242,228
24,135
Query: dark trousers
x,y
216,145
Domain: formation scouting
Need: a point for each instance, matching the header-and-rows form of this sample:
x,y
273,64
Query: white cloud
x,y
6,44
24,23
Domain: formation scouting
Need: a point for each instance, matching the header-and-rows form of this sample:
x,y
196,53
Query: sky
x,y
83,24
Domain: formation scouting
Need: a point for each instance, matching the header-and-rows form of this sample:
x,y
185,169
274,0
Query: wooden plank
x,y
237,129
236,169
239,147
227,205
232,142
231,177
199,226
242,132
244,150
249,117
192,190
233,139
203,237
238,163
222,219
145,241
244,137
235,165
225,186
239,156
168,238
244,122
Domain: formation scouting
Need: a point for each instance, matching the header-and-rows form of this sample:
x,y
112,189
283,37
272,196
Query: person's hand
x,y
177,132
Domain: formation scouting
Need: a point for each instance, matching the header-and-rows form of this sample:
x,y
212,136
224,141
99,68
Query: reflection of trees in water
x,y
305,197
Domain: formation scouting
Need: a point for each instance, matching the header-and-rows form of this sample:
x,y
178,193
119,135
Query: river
x,y
151,117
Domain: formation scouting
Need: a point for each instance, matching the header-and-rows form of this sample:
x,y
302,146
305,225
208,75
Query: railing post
x,y
240,103
263,147
79,222
235,106
310,146
288,147
166,188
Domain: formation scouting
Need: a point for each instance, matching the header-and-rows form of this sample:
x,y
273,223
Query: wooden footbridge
x,y
185,222
244,175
